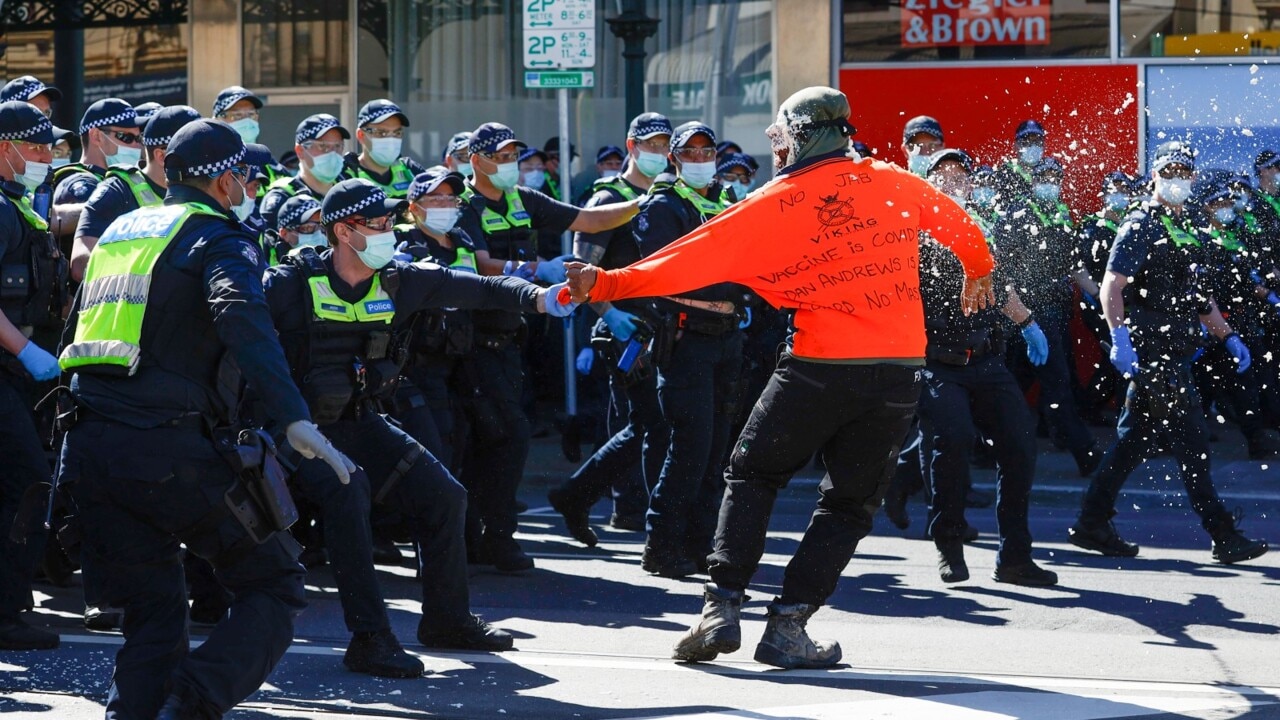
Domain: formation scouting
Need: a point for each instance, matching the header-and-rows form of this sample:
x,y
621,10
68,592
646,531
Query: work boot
x,y
576,519
1100,537
16,634
719,630
1027,574
666,565
951,565
473,634
895,506
185,704
787,645
379,654
1230,546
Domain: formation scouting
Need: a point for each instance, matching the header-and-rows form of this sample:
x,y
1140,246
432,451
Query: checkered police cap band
x,y
40,127
316,128
230,99
215,168
294,215
24,88
122,118
374,196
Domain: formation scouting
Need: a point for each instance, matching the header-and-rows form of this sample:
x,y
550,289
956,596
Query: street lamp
x,y
632,26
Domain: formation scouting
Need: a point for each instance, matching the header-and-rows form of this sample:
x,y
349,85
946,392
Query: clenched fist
x,y
581,278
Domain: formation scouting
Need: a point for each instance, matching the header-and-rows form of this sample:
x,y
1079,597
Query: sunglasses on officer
x,y
380,224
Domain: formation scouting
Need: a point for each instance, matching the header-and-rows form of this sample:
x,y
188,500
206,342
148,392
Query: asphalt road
x,y
1168,634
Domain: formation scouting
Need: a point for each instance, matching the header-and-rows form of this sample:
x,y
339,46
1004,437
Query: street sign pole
x,y
566,248
559,52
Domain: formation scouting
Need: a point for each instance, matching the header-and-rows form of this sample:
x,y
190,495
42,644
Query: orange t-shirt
x,y
838,241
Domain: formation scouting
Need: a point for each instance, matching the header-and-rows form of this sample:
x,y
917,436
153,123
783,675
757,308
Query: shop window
x,y
1199,28
295,43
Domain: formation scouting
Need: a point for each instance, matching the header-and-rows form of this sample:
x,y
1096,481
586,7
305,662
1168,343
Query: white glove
x,y
307,439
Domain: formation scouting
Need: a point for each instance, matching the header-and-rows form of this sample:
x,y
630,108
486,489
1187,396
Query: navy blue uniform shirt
x,y
110,199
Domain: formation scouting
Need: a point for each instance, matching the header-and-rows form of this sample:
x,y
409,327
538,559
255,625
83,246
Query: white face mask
x,y
60,162
608,174
533,179
326,167
385,151
1116,202
917,164
378,250
125,155
34,174
244,208
465,169
651,164
698,175
1031,154
1226,215
1174,191
441,220
506,176
248,129
315,239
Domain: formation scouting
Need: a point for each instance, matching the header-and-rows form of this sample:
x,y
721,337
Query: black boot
x,y
577,519
786,642
895,506
718,631
1100,537
379,654
1230,545
473,634
951,565
16,634
666,564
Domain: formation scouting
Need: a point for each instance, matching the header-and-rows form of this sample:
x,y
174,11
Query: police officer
x,y
632,458
922,136
109,136
551,155
239,108
380,129
258,158
297,225
1155,304
140,464
1013,176
319,143
31,89
343,316
444,337
128,187
1097,236
968,388
31,273
1039,244
508,217
736,173
1232,274
145,111
699,382
457,154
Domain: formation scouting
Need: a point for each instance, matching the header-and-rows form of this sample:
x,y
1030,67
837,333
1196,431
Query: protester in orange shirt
x,y
837,240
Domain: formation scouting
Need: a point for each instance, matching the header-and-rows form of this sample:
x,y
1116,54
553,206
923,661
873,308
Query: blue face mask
x,y
378,250
1048,192
918,164
1116,202
124,155
698,175
1226,215
326,167
506,176
983,196
1031,154
740,189
651,164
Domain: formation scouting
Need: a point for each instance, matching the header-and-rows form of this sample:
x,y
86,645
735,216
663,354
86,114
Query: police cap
x,y
1173,152
232,95
375,111
922,124
1027,128
26,87
647,125
22,121
109,112
203,148
313,126
952,155
685,132
432,178
297,210
162,124
491,137
357,197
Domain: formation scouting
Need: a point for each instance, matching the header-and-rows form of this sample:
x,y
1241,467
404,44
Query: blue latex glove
x,y
1037,344
402,253
746,321
1237,348
552,271
554,307
1090,300
621,324
39,363
1274,300
586,357
1123,357
524,271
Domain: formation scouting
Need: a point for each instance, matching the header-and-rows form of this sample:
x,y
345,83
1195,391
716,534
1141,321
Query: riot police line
x,y
338,343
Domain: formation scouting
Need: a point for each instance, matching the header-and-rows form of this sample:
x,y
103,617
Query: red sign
x,y
972,23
